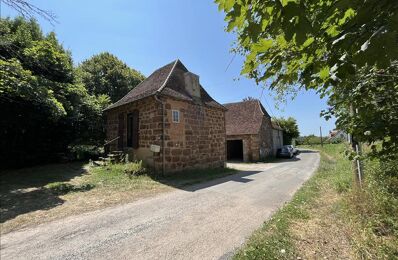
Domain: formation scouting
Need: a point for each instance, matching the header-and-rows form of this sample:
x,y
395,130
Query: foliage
x,y
105,74
62,188
312,42
308,140
18,83
135,169
85,152
44,108
342,48
290,128
375,117
337,140
328,201
275,239
374,209
134,174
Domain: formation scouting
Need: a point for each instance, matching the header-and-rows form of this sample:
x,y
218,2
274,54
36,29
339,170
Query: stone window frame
x,y
177,118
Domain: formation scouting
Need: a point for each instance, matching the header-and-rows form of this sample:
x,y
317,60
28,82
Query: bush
x,y
375,208
85,152
61,188
135,169
338,140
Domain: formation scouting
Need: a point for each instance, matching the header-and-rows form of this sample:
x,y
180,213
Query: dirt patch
x,y
78,203
310,238
36,195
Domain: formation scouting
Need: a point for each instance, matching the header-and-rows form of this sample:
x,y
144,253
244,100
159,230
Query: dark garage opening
x,y
235,150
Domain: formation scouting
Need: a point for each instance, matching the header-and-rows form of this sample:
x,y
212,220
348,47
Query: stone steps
x,y
113,157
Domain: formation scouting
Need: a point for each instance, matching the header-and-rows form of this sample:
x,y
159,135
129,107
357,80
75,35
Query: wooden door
x,y
120,132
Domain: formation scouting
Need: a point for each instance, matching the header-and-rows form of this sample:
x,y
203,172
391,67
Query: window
x,y
176,116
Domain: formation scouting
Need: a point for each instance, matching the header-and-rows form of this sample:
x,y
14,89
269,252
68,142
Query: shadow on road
x,y
237,177
308,151
193,180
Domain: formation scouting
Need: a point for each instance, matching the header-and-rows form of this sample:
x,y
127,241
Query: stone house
x,y
169,121
336,135
249,131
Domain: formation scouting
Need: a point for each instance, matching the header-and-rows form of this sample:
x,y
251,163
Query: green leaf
x,y
308,42
228,4
324,73
286,2
263,46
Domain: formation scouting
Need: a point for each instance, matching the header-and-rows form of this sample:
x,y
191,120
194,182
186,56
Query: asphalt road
x,y
205,221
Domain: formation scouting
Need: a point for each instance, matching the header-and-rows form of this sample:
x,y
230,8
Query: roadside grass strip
x,y
296,231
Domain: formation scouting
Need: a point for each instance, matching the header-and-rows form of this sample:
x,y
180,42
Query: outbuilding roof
x,y
169,81
244,117
276,126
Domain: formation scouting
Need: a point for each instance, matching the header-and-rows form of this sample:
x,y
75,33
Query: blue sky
x,y
149,34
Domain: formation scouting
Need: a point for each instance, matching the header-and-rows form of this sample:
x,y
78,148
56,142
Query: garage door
x,y
235,150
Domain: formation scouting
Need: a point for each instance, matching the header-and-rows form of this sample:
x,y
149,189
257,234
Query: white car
x,y
286,151
294,149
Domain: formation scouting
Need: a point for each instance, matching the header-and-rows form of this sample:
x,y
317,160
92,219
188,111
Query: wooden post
x,y
356,164
320,131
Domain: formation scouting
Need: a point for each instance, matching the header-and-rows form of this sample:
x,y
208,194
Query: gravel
x,y
204,221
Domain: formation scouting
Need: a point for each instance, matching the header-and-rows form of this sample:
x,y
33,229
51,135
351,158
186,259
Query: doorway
x,y
120,131
235,150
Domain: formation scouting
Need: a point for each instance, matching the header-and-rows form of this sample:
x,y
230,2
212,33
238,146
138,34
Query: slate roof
x,y
169,81
244,117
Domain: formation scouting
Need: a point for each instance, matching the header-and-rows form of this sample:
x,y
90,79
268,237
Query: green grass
x,y
117,176
329,217
35,195
375,211
275,240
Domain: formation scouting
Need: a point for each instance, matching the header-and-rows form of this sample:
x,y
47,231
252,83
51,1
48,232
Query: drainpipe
x,y
163,131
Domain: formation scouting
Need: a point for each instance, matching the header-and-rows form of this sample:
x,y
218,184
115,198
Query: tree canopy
x,y
45,105
290,128
334,47
105,74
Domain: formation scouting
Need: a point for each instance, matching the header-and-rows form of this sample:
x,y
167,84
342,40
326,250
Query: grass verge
x,y
329,219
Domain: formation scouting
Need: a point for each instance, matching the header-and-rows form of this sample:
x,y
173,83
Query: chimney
x,y
192,84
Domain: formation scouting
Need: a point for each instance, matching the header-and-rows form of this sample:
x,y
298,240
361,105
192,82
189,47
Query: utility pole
x,y
320,131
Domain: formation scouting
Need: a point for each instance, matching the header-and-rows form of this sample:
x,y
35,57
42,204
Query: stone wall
x,y
257,146
265,140
198,140
277,136
150,125
249,151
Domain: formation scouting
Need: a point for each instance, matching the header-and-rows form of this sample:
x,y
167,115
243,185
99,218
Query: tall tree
x,y
43,108
105,74
328,46
290,128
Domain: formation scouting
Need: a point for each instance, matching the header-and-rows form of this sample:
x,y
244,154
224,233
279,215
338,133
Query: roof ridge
x,y
261,107
238,102
168,76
